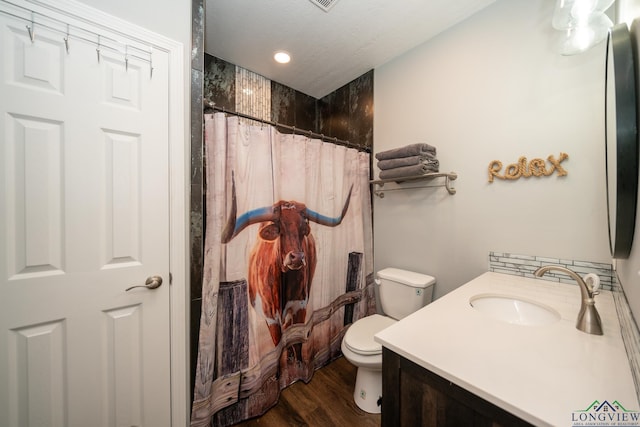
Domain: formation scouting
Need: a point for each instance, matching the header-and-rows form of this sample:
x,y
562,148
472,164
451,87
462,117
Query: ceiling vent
x,y
324,4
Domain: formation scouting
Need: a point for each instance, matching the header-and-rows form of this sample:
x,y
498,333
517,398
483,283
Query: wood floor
x,y
326,401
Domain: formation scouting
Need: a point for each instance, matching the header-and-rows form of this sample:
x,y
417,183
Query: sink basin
x,y
514,310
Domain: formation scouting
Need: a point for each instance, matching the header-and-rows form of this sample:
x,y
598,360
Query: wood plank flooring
x,y
326,401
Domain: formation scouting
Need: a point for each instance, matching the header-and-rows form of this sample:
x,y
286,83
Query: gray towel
x,y
407,171
428,159
406,151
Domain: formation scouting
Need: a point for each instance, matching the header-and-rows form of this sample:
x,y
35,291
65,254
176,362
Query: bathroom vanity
x,y
415,396
453,364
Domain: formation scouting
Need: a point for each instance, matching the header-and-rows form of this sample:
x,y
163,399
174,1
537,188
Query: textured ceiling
x,y
328,49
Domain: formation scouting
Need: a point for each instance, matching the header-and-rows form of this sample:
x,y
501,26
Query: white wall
x,y
626,11
493,88
171,18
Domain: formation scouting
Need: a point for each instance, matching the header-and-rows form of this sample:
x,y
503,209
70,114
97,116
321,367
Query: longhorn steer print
x,y
283,259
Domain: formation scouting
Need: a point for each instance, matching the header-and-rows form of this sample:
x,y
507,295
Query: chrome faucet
x,y
588,317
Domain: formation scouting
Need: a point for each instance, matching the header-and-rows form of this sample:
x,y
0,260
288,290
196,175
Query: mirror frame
x,y
621,138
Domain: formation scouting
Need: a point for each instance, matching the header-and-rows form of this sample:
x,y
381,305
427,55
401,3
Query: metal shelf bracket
x,y
448,177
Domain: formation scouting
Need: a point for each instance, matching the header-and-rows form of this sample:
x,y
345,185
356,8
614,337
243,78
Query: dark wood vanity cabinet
x,y
414,396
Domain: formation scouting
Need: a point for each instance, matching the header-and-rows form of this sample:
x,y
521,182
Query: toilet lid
x,y
359,337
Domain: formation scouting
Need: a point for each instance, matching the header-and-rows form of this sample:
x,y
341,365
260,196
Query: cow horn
x,y
236,224
328,221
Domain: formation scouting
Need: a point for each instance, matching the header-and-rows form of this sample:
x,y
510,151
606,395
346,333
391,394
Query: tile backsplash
x,y
525,265
630,332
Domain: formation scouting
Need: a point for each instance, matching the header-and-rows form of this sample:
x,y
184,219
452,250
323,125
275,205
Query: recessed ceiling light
x,y
282,57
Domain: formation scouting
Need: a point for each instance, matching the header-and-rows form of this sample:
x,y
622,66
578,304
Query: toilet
x,y
401,293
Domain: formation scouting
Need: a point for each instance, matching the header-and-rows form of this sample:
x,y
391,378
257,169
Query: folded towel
x,y
406,151
407,171
428,159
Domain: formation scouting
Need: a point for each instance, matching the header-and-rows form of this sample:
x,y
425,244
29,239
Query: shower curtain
x,y
287,268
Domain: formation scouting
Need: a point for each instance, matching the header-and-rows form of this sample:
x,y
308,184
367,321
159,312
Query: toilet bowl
x,y
401,293
361,350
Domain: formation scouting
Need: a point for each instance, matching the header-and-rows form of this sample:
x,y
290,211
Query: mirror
x,y
621,141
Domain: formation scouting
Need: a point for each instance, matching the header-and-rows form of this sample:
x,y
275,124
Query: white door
x,y
84,215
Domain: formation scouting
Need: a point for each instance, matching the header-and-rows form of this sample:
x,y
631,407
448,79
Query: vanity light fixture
x,y
583,22
282,57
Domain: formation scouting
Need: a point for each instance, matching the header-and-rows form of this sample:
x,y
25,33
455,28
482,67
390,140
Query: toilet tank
x,y
402,292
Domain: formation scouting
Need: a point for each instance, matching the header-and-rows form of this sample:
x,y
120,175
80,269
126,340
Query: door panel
x,y
84,215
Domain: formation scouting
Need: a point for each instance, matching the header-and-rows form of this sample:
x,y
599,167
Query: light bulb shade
x,y
569,14
582,38
562,17
603,5
581,10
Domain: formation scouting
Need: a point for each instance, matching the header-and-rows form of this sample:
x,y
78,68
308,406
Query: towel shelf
x,y
448,177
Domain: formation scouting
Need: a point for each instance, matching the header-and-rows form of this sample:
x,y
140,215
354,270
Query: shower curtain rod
x,y
310,134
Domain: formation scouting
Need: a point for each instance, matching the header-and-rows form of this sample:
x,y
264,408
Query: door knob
x,y
152,282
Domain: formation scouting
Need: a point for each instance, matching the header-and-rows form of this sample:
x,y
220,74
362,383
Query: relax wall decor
x,y
536,167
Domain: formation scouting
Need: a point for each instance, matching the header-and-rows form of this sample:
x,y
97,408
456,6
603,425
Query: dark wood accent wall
x,y
220,82
196,189
346,113
293,108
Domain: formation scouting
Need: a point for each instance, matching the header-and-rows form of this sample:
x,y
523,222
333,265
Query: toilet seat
x,y
359,337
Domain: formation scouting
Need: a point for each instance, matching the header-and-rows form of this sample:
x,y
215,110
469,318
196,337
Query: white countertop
x,y
542,374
